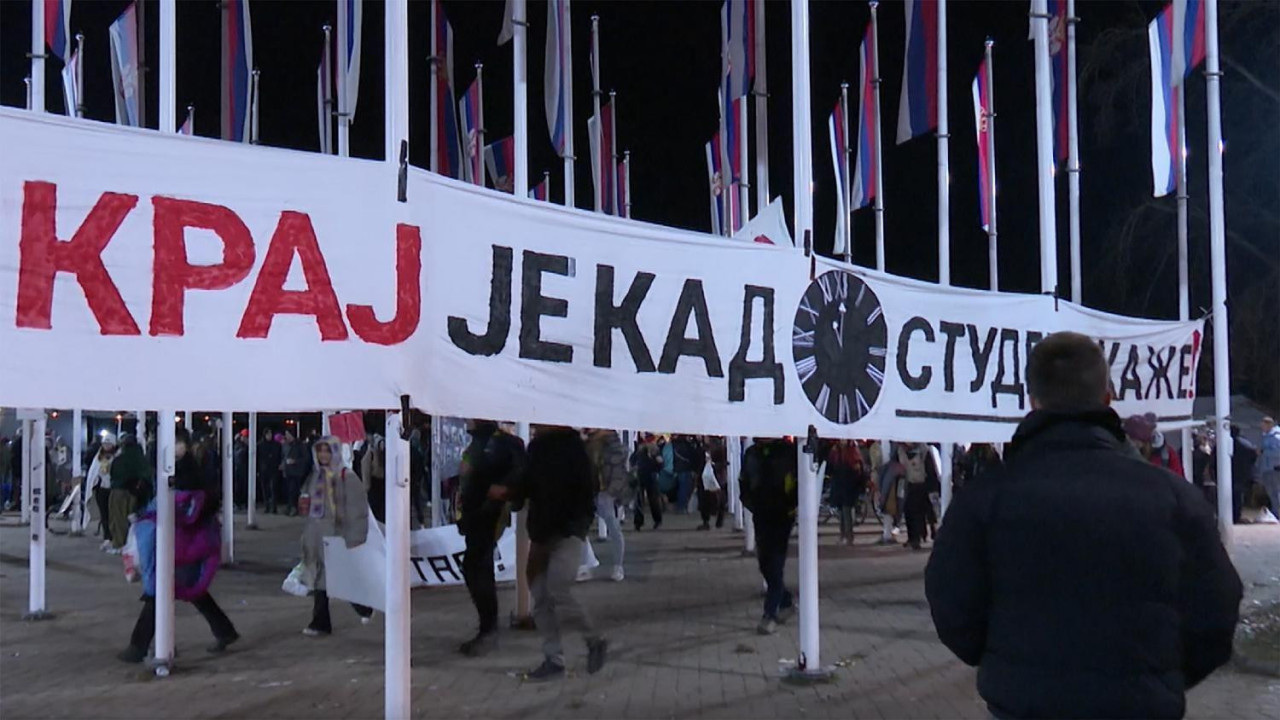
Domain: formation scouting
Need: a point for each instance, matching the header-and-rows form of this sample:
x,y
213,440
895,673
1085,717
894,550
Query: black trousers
x,y
648,489
711,503
320,619
100,495
773,536
272,493
477,570
145,629
918,508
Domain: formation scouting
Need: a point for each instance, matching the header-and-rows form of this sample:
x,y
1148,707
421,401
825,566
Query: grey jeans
x,y
606,510
553,569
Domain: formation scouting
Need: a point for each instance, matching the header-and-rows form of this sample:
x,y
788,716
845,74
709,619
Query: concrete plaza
x,y
682,631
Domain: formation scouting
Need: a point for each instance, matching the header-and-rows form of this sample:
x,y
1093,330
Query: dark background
x,y
663,59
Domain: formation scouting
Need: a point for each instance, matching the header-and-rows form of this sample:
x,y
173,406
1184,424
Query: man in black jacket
x,y
1081,580
769,491
270,455
559,486
491,465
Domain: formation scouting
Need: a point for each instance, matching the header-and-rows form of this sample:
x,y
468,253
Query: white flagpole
x,y
30,100
253,110
566,28
626,175
79,75
744,187
879,199
1184,300
520,101
35,459
612,159
1044,149
846,187
761,92
435,62
944,158
522,547
810,660
38,56
79,522
481,165
597,131
251,504
1073,157
326,78
341,73
397,680
1218,257
228,491
993,248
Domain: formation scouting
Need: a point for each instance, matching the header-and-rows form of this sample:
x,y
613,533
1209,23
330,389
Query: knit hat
x,y
1141,428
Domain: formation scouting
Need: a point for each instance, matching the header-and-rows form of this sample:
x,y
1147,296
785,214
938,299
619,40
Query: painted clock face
x,y
839,343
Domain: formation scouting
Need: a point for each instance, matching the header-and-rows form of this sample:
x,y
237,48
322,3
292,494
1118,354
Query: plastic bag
x,y
293,583
709,481
129,554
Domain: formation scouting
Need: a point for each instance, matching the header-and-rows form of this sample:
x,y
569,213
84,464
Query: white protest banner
x,y
124,248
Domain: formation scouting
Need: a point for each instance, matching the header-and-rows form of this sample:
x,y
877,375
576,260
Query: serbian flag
x,y
500,158
737,18
602,159
123,36
237,69
559,77
469,109
447,143
57,28
918,107
982,112
864,172
539,191
839,161
1164,108
349,63
1187,31
715,179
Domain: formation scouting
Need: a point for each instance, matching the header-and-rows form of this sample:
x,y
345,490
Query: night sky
x,y
663,59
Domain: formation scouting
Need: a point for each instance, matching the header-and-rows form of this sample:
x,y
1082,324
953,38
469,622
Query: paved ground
x,y
682,627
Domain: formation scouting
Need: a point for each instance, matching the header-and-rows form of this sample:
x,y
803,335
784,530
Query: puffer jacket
x,y
1081,580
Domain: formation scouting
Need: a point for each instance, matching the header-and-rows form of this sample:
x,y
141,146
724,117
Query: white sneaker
x,y
618,574
105,546
585,574
115,551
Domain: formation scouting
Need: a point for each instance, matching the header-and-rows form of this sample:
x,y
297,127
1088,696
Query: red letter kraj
x,y
408,295
43,256
174,275
294,234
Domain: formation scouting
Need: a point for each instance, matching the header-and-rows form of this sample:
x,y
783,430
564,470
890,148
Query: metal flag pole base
x,y
162,668
37,616
522,623
801,675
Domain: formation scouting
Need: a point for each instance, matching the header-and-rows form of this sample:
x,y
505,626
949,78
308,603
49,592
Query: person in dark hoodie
x,y
491,465
130,489
1083,581
559,487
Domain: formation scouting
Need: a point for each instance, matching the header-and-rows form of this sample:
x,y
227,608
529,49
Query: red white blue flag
x,y
918,106
836,124
237,70
559,77
500,158
1176,40
470,110
188,125
1187,33
602,159
57,28
446,145
123,36
864,172
737,18
982,112
541,190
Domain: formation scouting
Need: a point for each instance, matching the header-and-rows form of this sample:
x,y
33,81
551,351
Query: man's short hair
x,y
1068,373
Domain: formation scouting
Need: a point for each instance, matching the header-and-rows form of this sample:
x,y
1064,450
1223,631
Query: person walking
x,y
334,503
713,478
491,465
373,471
98,484
613,489
647,461
1081,580
1244,460
268,461
921,473
892,487
130,488
197,554
769,477
559,489
849,479
240,469
1268,463
1143,433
